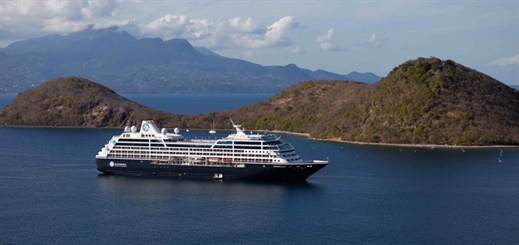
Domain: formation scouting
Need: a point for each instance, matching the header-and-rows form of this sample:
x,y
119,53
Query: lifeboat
x,y
228,160
215,159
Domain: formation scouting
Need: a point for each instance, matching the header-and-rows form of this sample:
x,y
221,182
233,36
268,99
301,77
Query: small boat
x,y
215,159
228,160
212,131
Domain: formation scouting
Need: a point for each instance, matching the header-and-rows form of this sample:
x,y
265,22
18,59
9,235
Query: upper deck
x,y
153,144
149,130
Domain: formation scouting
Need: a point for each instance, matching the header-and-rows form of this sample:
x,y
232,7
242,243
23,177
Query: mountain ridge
x,y
149,65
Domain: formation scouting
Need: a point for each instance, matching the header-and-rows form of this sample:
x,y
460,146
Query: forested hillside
x,y
423,101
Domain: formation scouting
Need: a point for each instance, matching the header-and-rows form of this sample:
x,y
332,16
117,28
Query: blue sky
x,y
338,36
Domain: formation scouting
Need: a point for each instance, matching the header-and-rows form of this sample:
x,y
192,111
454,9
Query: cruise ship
x,y
154,152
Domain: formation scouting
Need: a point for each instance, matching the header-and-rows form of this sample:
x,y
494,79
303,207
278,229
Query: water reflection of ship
x,y
152,192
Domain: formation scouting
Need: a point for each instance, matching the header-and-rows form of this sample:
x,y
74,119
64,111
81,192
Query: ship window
x,y
134,140
247,142
277,142
132,144
247,147
222,146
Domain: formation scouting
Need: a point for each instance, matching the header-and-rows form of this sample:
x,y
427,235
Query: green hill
x,y
423,101
76,102
442,102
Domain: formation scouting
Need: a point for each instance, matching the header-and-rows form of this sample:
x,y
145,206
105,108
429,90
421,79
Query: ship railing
x,y
286,146
182,159
184,162
316,161
202,140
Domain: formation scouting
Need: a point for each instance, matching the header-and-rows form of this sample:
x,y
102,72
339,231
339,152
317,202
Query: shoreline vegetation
x,y
302,135
421,103
386,144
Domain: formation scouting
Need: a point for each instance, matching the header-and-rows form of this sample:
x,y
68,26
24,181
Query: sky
x,y
337,36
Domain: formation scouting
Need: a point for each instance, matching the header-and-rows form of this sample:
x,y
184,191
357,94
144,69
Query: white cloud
x,y
329,46
126,24
252,53
246,26
326,38
274,36
327,43
248,54
99,9
375,41
514,60
28,18
171,26
297,50
232,33
281,26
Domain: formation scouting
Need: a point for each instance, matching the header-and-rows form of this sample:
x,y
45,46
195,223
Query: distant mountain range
x,y
126,64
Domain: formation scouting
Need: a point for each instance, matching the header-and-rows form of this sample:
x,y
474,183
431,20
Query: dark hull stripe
x,y
299,172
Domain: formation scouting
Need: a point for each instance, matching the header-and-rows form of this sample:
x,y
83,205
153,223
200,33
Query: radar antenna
x,y
237,127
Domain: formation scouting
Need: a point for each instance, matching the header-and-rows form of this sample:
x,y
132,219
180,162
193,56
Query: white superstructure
x,y
164,148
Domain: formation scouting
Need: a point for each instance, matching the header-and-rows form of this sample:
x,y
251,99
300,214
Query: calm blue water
x,y
6,99
51,193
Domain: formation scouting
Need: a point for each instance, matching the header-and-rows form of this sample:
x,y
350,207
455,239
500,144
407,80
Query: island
x,y
422,101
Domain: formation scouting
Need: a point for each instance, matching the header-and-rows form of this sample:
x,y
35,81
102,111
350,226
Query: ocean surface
x,y
51,193
6,99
